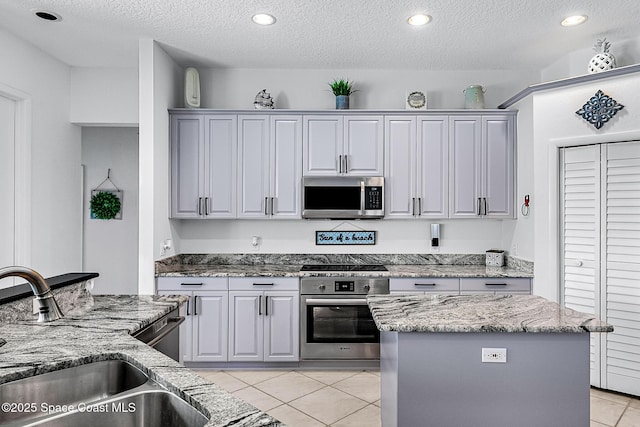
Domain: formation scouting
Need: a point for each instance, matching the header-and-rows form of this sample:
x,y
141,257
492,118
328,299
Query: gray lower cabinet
x,y
460,286
507,285
204,334
264,319
425,285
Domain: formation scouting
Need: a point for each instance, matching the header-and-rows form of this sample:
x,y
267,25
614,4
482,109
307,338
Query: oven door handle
x,y
336,301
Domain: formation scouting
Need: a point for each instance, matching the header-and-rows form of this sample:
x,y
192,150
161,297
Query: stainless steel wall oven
x,y
335,320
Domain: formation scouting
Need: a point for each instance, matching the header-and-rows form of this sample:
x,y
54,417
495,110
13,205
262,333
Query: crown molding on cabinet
x,y
555,84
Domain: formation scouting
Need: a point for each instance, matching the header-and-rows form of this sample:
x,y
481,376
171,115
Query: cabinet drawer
x,y
192,284
264,284
499,284
425,284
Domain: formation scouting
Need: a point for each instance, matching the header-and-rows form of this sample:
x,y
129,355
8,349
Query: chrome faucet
x,y
49,309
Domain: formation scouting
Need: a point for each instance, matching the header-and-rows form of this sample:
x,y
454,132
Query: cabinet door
x,y
246,332
210,317
465,166
498,166
433,167
187,164
221,152
281,326
285,166
400,166
253,173
363,146
322,145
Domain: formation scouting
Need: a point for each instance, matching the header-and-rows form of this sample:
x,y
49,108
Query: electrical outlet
x,y
494,355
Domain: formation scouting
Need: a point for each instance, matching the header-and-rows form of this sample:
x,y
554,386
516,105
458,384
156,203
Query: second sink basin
x,y
151,408
83,383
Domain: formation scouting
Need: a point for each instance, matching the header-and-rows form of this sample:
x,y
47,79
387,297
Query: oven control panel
x,y
344,286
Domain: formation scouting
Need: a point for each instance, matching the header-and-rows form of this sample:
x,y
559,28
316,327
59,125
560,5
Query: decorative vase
x,y
342,102
603,60
474,96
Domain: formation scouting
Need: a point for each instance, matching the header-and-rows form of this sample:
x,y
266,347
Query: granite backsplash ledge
x,y
300,259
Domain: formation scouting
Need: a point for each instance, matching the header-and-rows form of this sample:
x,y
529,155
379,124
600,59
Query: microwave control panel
x,y
373,198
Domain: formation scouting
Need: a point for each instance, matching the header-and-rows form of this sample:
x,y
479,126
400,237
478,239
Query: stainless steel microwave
x,y
343,197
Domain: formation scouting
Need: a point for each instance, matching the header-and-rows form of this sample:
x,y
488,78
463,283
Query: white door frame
x,y
22,244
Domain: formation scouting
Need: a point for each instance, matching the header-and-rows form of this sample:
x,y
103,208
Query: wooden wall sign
x,y
345,237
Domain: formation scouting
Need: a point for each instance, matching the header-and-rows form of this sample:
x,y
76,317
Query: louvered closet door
x,y
621,262
580,189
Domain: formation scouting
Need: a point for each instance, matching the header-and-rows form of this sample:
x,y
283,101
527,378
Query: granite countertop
x,y
479,313
97,329
287,270
288,265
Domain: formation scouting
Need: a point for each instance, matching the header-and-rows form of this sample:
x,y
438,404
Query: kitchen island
x,y
536,369
97,328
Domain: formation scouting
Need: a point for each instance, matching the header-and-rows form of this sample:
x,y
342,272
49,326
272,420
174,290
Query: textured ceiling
x,y
463,34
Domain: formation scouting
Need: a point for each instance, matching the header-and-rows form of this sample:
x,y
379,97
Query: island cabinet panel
x,y
264,319
343,145
204,333
495,285
424,285
439,380
482,166
416,166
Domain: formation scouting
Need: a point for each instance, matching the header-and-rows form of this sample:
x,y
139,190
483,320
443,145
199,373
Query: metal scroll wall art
x,y
599,109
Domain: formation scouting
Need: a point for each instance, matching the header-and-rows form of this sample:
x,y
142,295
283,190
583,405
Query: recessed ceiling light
x,y
47,16
570,21
419,20
263,19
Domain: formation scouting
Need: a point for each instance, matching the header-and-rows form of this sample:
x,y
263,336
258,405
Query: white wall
x,y
627,52
378,89
104,96
160,88
55,155
298,236
556,124
518,235
111,246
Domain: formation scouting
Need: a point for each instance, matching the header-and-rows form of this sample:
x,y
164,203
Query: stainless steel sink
x,y
106,393
83,383
150,408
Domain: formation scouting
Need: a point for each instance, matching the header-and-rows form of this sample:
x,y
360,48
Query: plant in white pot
x,y
342,88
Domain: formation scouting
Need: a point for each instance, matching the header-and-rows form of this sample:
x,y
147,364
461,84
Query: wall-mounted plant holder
x,y
106,203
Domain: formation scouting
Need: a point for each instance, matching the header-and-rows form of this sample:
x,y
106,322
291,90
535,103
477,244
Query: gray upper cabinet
x,y
482,157
187,184
416,166
343,145
220,165
203,158
269,173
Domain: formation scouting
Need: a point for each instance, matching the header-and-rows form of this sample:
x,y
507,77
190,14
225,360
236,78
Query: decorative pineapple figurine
x,y
603,59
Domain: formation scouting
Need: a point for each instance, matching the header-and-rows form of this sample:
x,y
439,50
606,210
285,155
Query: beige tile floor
x,y
351,398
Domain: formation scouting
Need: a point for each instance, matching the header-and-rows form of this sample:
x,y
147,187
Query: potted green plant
x,y
342,88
